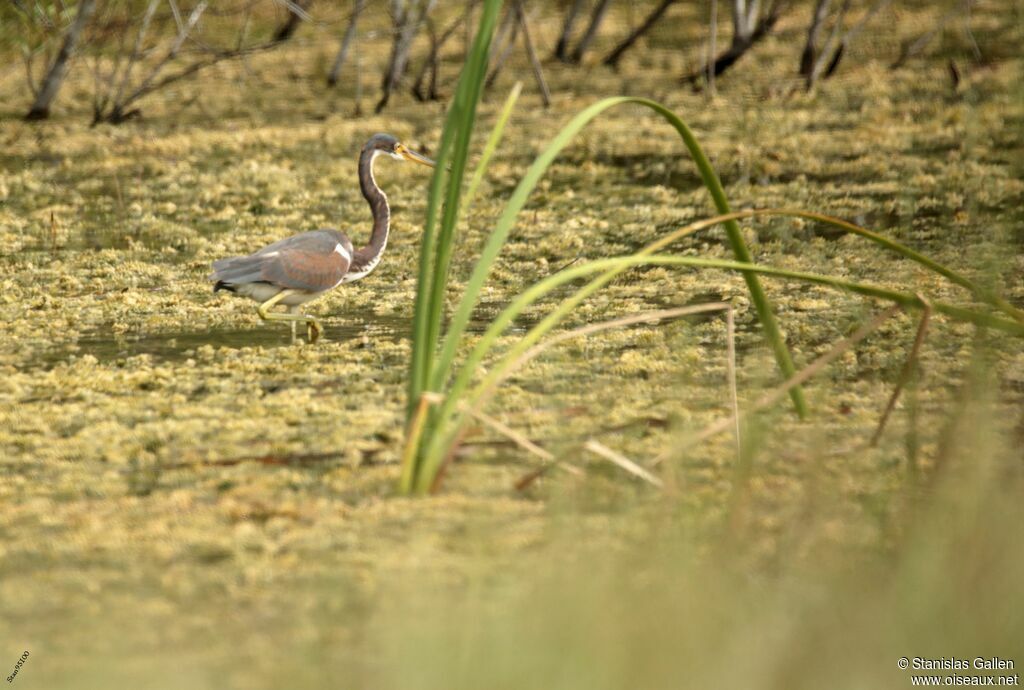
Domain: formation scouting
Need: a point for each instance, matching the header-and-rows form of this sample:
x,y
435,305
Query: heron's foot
x,y
313,329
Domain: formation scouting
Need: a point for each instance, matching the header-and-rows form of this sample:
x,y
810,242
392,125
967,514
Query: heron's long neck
x,y
369,255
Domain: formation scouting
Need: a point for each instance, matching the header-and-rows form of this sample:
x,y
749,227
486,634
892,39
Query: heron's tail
x,y
236,270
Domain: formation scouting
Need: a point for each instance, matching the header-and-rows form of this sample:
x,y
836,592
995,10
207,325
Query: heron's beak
x,y
410,155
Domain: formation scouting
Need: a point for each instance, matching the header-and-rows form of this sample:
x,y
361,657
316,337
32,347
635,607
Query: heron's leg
x,y
313,328
264,309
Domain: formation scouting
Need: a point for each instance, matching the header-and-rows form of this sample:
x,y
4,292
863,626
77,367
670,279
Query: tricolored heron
x,y
301,268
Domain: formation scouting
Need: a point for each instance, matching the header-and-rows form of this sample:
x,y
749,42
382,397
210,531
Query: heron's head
x,y
385,143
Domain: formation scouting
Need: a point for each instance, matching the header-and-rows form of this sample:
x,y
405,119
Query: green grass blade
x,y
474,72
421,349
445,435
442,369
492,145
571,302
446,182
980,293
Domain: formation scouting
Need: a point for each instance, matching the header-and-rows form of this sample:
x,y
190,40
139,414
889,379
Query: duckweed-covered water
x,y
190,500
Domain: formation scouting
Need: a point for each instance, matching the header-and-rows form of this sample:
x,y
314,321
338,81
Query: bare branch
x,y
437,43
296,15
144,87
908,370
612,59
346,43
562,47
596,17
136,50
912,49
406,25
742,41
508,31
54,79
538,72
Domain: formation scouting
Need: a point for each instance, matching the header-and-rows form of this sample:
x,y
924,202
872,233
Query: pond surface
x,y
185,490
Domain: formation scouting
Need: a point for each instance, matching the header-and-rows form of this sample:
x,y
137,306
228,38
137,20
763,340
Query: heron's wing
x,y
311,261
299,269
237,270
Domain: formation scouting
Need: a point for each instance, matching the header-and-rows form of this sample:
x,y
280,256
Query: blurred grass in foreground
x,y
656,591
671,610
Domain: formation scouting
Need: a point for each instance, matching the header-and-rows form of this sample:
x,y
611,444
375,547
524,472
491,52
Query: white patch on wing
x,y
271,253
344,252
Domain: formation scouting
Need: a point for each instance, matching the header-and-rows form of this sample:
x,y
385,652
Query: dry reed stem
x,y
589,329
416,429
623,462
907,371
520,440
730,375
780,391
660,315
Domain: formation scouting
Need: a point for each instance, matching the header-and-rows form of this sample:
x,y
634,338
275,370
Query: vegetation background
x,y
187,500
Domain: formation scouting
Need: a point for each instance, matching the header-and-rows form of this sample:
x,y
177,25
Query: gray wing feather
x,y
304,262
312,241
238,269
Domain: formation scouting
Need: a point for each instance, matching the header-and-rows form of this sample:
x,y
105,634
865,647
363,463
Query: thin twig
x,y
730,374
911,50
849,36
295,9
406,27
500,55
538,71
135,54
646,317
346,43
431,63
198,65
829,52
589,329
596,17
612,59
859,26
179,41
907,372
520,440
623,462
562,47
782,389
29,76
